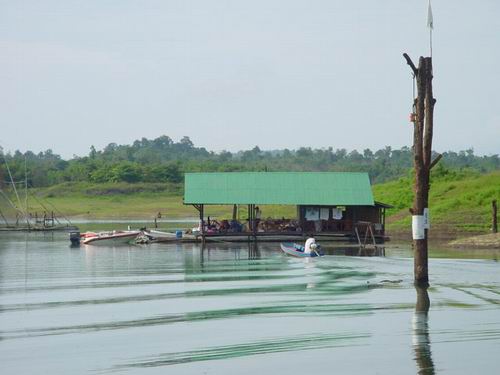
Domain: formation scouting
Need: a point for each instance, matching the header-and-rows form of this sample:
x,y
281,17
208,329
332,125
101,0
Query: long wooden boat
x,y
109,238
296,250
160,236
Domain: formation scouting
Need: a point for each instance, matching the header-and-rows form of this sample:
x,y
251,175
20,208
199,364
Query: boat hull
x,y
159,236
107,239
291,249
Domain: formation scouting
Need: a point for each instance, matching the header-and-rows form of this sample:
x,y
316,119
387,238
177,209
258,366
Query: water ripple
x,y
277,345
307,308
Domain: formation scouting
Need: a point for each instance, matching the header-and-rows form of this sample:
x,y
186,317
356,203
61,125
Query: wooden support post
x,y
300,218
250,220
357,236
367,231
235,210
373,236
202,223
494,222
383,222
4,219
422,153
254,221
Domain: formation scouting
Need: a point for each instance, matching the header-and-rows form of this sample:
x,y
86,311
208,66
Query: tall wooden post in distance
x,y
494,222
423,119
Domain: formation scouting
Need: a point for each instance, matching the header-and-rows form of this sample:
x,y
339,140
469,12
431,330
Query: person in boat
x,y
311,246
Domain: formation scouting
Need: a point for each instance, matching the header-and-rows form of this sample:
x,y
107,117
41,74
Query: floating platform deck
x,y
272,237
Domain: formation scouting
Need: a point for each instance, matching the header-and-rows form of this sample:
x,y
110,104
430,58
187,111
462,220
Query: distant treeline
x,y
163,160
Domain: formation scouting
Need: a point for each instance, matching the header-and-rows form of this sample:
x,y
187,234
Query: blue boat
x,y
296,250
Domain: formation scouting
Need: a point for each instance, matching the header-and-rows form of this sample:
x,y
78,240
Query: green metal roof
x,y
293,188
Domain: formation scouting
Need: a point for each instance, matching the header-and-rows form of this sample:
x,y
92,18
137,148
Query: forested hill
x,y
163,160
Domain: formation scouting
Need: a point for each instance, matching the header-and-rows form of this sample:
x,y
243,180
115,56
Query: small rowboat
x,y
159,236
296,250
109,238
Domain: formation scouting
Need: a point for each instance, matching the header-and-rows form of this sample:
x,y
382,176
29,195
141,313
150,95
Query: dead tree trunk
x,y
422,153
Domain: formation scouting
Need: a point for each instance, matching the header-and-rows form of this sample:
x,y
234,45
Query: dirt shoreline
x,y
455,239
485,241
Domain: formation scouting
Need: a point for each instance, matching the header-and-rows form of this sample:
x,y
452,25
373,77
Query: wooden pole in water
x,y
494,223
423,120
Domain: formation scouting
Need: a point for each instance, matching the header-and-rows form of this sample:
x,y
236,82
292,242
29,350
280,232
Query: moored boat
x,y
296,250
160,236
109,238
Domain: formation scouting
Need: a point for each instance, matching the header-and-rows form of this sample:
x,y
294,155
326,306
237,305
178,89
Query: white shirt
x,y
307,247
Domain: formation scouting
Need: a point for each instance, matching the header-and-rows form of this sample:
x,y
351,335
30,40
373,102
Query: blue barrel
x,y
178,234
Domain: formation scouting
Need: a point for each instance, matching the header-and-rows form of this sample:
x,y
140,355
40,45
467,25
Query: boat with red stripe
x,y
109,238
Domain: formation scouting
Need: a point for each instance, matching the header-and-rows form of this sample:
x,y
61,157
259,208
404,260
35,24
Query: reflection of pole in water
x,y
253,250
421,339
194,258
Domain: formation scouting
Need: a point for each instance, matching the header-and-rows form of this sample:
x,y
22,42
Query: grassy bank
x,y
118,201
111,200
459,201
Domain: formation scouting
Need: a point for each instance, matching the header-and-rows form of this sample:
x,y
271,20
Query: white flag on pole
x,y
430,19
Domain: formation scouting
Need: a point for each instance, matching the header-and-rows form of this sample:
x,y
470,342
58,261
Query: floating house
x,y
327,204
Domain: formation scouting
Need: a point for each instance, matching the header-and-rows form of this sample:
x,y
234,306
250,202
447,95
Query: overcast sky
x,y
235,74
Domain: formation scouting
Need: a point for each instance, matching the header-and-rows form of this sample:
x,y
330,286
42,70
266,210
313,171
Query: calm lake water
x,y
235,308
